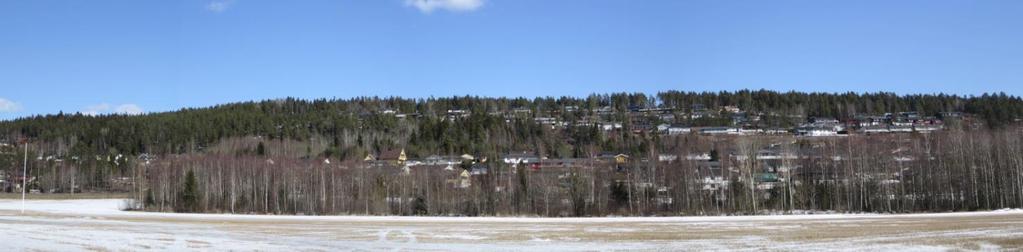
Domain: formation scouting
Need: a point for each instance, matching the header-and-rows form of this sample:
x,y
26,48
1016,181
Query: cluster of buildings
x,y
822,126
901,122
727,120
774,167
12,180
467,165
904,122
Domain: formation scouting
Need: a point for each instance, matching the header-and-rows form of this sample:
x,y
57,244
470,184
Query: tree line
x,y
357,124
948,171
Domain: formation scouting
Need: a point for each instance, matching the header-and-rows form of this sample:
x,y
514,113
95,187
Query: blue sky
x,y
145,56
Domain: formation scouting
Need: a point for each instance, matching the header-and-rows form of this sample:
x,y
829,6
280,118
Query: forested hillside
x,y
354,126
670,153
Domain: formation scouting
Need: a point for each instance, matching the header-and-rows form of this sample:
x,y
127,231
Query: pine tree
x,y
189,194
260,149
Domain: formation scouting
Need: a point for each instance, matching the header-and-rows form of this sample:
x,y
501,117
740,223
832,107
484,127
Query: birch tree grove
x,y
947,171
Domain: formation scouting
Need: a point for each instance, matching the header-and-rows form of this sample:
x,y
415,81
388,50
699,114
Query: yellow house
x,y
464,181
621,158
398,157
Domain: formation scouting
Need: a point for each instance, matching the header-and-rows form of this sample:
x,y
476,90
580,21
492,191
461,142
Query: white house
x,y
667,157
701,156
679,130
720,130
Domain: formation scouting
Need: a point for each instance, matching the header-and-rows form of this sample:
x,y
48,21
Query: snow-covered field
x,y
62,225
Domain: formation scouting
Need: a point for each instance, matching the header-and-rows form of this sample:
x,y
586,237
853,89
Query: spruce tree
x,y
260,149
189,195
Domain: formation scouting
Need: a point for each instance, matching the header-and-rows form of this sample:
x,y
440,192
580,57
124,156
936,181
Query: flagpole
x,y
24,178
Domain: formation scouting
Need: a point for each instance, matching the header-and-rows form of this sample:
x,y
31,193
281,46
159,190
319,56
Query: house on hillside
x,y
822,120
818,130
949,114
873,129
775,153
616,158
750,131
821,126
712,177
514,159
441,160
700,114
699,156
719,131
462,181
926,128
739,119
901,127
621,158
663,128
609,126
909,115
522,111
394,157
639,128
453,114
667,157
550,121
604,111
676,129
870,121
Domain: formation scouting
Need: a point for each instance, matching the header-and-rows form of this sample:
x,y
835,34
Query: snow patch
x,y
71,225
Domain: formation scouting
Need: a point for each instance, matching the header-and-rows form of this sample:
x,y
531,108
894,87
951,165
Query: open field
x,y
64,196
98,225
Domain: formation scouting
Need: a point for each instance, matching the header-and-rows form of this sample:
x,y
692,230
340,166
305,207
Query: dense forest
x,y
358,124
294,156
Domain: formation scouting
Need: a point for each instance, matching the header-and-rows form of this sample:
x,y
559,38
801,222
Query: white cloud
x,y
219,5
104,108
128,109
427,6
9,106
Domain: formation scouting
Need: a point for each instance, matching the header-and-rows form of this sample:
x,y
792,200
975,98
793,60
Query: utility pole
x,y
24,175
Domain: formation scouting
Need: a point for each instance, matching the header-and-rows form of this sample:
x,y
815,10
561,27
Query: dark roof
x,y
389,154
